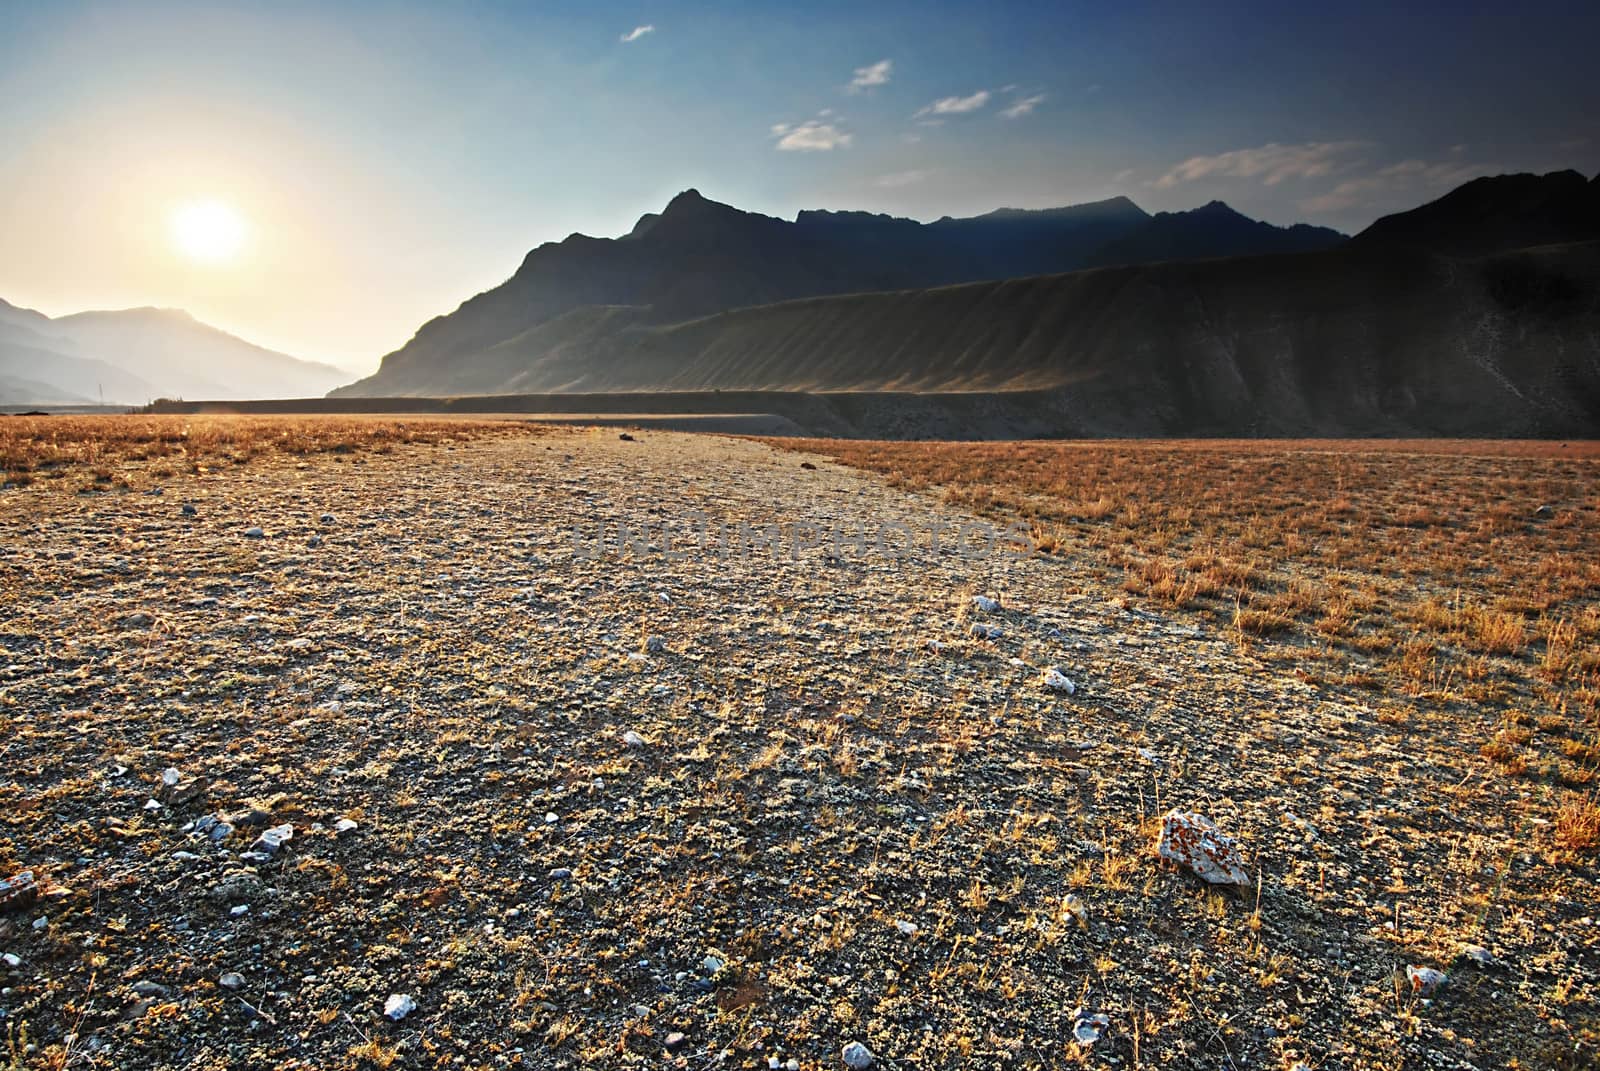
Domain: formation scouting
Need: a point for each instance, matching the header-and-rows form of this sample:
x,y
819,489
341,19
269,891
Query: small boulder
x,y
1193,841
1057,681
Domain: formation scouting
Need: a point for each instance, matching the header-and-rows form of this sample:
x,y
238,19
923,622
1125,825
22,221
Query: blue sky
x,y
393,159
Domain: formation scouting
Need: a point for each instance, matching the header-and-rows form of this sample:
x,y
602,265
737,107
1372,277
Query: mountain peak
x,y
689,200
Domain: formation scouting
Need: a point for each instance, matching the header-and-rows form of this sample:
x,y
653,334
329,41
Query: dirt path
x,y
645,808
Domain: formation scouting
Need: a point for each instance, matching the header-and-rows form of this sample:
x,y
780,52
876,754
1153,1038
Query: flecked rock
x,y
1193,841
1087,1028
857,1056
1424,980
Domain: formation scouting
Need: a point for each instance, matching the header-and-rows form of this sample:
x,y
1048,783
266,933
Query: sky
x,y
378,163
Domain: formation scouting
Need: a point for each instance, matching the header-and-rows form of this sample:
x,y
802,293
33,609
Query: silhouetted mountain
x,y
1500,212
698,257
135,355
1213,230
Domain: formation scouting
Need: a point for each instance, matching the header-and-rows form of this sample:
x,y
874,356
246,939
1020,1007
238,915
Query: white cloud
x,y
1407,176
900,178
636,33
813,135
956,105
873,74
1272,163
1022,106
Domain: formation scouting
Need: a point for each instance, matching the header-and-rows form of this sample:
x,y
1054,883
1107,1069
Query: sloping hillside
x,y
1346,342
699,257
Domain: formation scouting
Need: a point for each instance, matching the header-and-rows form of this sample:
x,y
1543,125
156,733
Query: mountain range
x,y
132,356
1476,314
699,257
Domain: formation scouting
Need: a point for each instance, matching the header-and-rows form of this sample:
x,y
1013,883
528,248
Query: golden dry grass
x,y
1458,576
87,453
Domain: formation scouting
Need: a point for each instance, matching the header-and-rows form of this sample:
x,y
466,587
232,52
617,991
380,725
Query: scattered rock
x,y
138,620
272,839
1424,980
1058,681
1086,1028
237,885
909,929
327,518
986,632
254,533
345,825
188,509
985,603
560,873
1193,841
857,1056
655,644
231,980
633,739
398,1006
625,437
18,890
12,960
808,466
675,1041
150,989
1074,907
1479,955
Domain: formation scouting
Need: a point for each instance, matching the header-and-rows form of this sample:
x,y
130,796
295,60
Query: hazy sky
x,y
390,160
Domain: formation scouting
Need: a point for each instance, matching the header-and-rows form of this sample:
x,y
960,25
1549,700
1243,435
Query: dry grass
x,y
96,453
1453,575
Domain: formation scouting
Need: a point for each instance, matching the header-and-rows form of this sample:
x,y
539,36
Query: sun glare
x,y
210,232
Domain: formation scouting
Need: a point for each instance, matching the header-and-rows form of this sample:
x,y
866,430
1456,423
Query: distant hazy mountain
x,y
1213,230
698,257
136,355
1500,212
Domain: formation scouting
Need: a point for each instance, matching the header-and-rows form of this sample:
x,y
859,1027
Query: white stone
x,y
633,739
398,1006
857,1056
1193,841
1058,681
231,980
1424,980
986,604
1086,1028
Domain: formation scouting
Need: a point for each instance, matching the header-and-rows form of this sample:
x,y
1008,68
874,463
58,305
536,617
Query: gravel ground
x,y
641,809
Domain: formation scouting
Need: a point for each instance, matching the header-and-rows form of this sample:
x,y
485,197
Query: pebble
x,y
1424,980
655,644
345,825
1478,954
254,533
138,620
985,603
150,989
231,980
272,839
11,960
675,1041
1086,1028
239,910
560,873
909,929
633,739
857,1056
398,1006
1058,681
188,510
326,518
986,632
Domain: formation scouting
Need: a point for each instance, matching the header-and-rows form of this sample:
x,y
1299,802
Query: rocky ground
x,y
383,735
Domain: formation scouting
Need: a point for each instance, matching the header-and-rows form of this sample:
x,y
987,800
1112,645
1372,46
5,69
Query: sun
x,y
208,231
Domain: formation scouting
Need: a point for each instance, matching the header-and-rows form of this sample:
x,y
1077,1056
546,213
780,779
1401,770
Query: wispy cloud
x,y
955,105
900,178
1272,163
813,135
1023,106
873,74
1407,176
636,33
